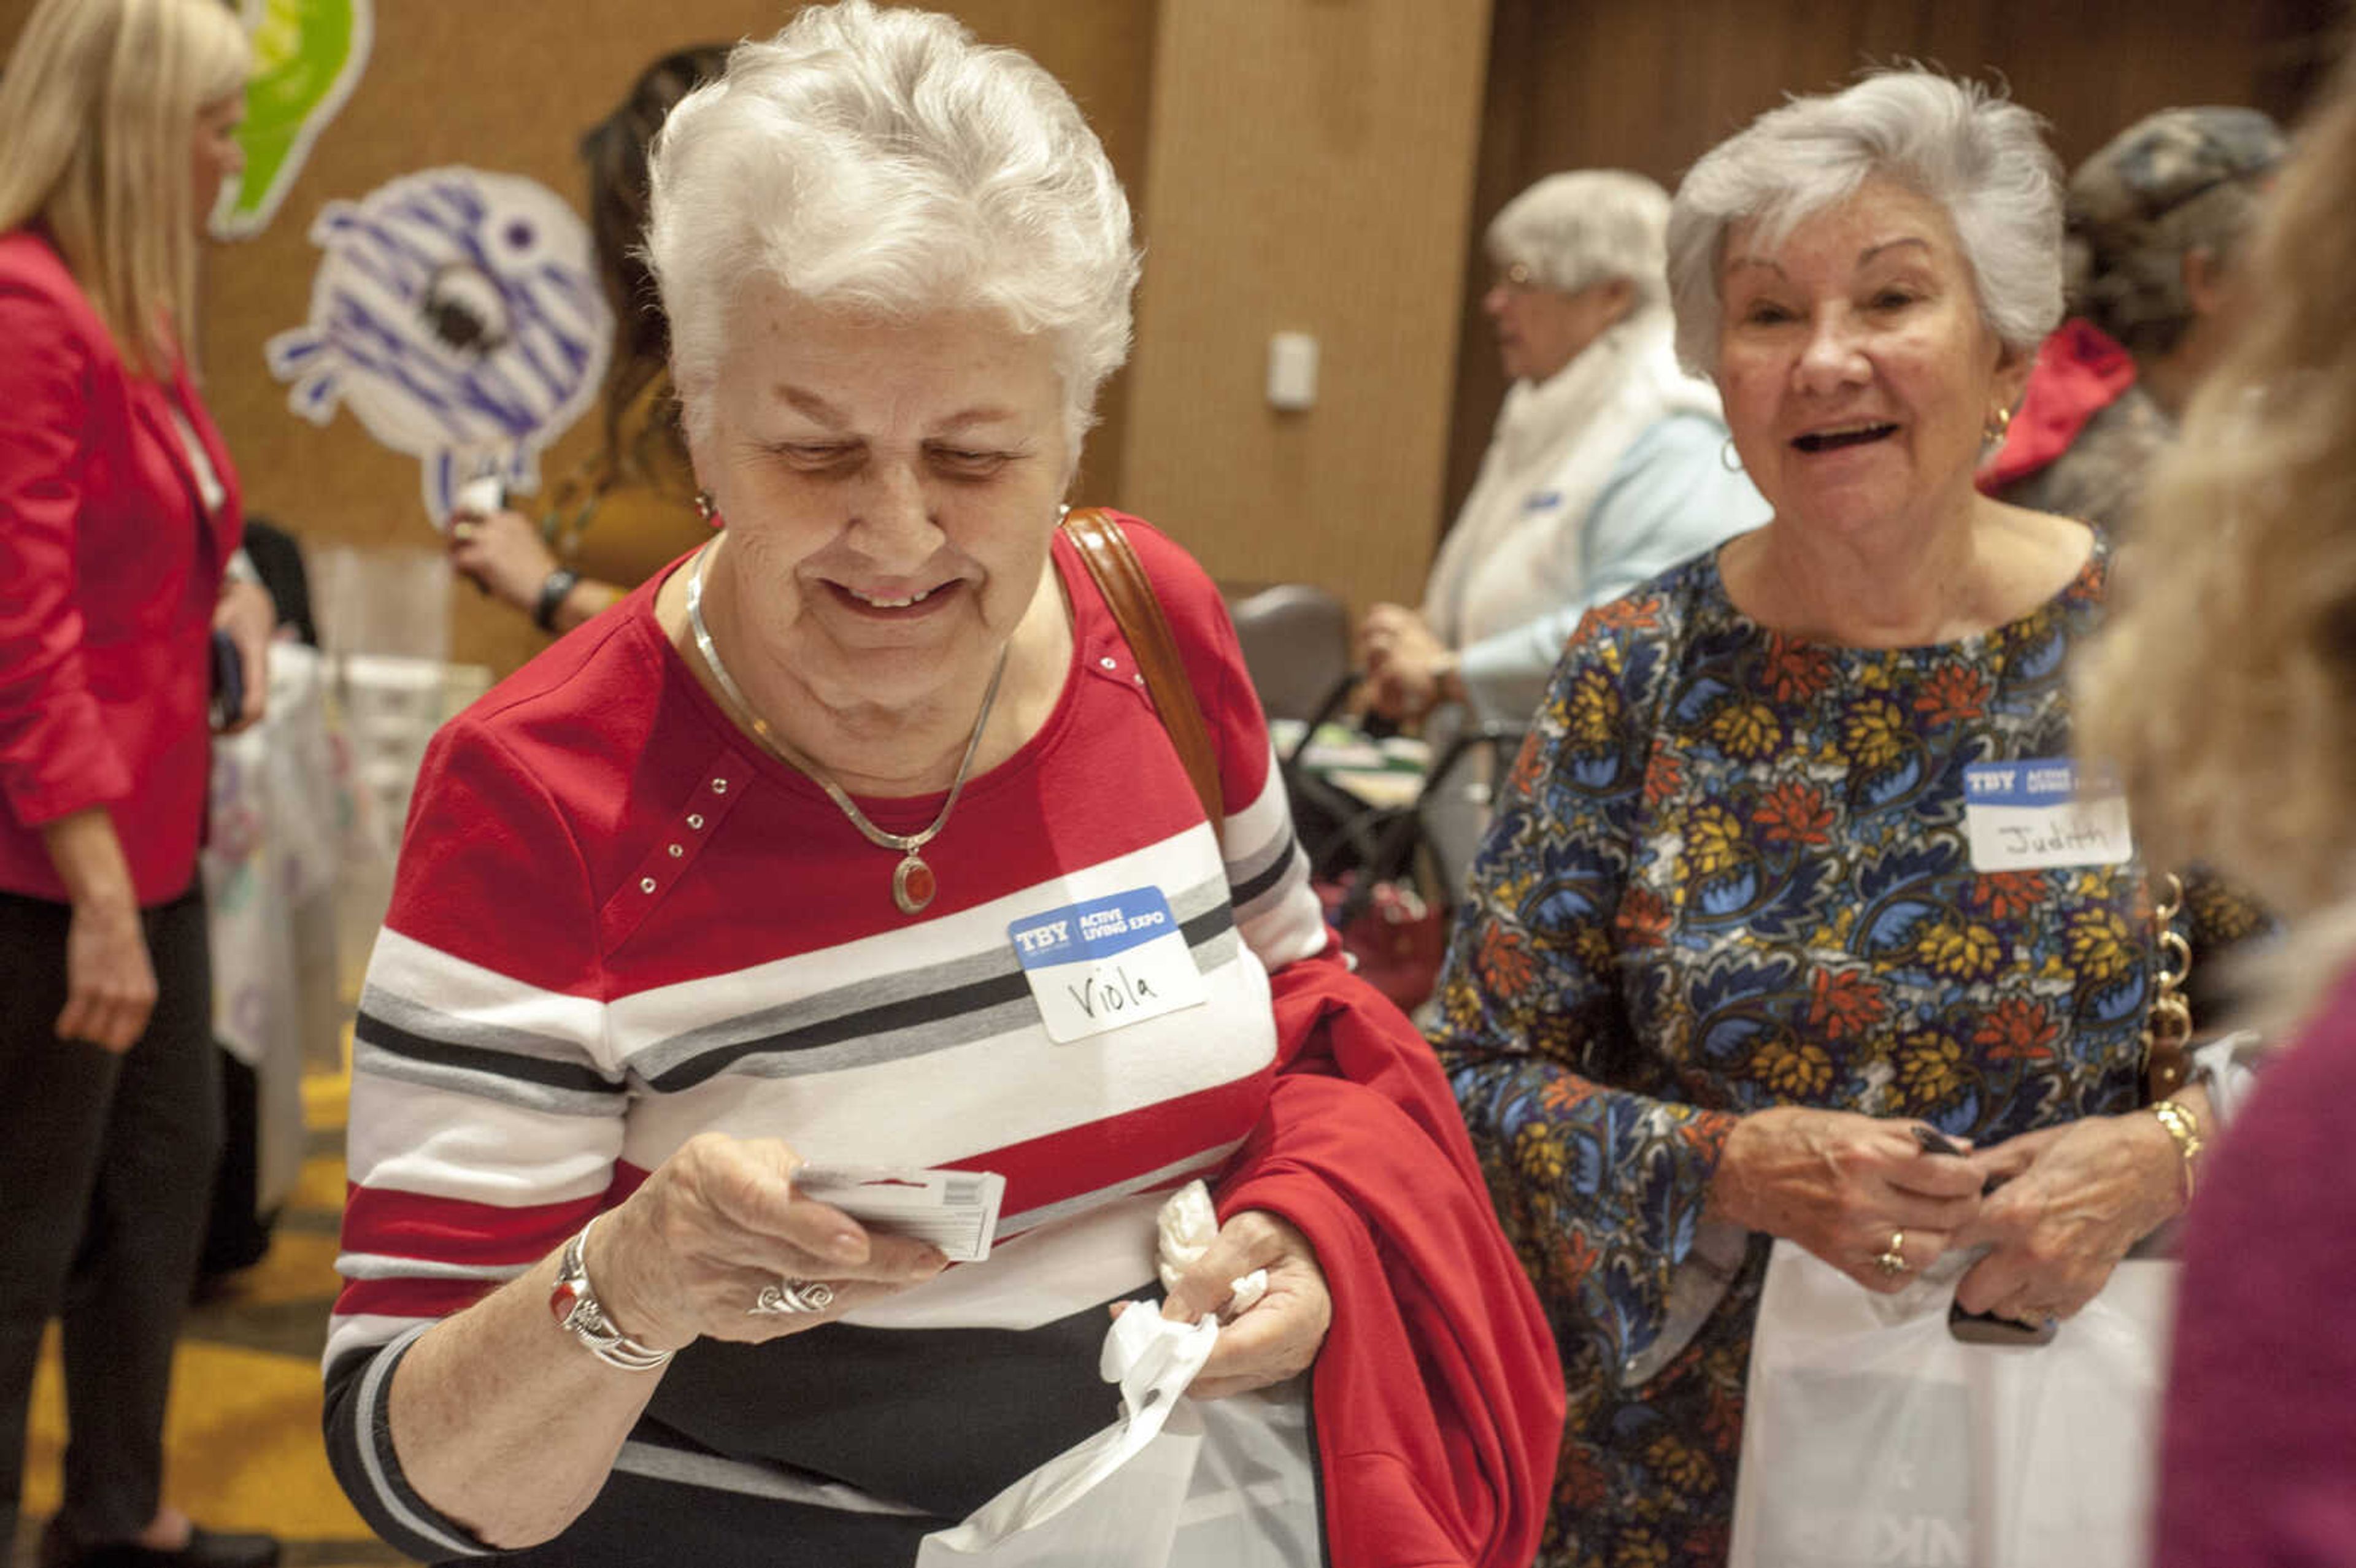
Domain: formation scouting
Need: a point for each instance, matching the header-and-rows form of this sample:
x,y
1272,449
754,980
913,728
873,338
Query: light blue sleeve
x,y
1668,498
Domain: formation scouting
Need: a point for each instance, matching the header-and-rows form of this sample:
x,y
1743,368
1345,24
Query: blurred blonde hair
x,y
2225,687
97,113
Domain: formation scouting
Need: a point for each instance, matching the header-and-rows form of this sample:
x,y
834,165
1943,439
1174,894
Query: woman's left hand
x,y
2074,1200
246,613
1278,1334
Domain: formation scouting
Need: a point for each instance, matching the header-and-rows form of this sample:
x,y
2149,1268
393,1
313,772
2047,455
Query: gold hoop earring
x,y
1728,458
1998,427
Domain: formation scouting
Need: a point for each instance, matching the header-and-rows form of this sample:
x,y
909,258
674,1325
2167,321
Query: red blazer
x,y
109,573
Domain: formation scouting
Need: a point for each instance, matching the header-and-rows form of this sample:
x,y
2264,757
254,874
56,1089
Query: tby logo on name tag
x,y
2033,815
1107,962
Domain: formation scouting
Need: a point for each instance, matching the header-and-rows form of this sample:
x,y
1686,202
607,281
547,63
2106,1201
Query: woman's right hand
x,y
110,981
1844,1186
690,1252
503,554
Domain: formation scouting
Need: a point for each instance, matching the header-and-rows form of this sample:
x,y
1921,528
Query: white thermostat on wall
x,y
1291,371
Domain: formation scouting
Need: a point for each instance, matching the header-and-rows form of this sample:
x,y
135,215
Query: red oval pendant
x,y
912,885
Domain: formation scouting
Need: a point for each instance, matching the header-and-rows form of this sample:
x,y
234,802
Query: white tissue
x,y
478,498
1184,1230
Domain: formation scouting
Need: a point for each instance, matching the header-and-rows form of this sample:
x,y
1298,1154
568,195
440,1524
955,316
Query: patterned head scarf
x,y
2174,182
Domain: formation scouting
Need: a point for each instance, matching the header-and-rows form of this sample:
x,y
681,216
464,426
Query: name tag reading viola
x,y
2032,816
1106,963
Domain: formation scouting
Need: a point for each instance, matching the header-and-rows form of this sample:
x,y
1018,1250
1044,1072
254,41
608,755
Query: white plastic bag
x,y
1173,1482
1873,1436
1115,1499
1253,1502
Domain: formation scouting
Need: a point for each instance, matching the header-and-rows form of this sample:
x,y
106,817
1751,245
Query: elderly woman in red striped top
x,y
856,838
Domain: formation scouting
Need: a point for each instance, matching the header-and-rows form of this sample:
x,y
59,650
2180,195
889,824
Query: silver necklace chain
x,y
907,843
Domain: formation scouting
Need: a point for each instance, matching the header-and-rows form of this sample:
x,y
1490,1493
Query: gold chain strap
x,y
2167,1032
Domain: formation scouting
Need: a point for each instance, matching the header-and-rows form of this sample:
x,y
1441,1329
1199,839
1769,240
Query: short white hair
x,y
1981,157
882,160
1588,227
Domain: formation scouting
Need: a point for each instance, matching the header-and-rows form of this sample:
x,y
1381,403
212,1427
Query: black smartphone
x,y
1986,1328
1933,1141
229,680
1980,1327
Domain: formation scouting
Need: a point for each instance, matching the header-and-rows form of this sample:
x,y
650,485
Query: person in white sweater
x,y
1609,465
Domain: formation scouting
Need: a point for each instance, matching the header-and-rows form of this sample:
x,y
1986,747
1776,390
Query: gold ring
x,y
1892,1259
464,530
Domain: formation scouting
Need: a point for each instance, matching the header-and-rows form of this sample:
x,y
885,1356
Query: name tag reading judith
x,y
1106,963
2031,815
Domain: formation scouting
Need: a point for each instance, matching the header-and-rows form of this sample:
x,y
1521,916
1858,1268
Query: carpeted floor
x,y
243,1434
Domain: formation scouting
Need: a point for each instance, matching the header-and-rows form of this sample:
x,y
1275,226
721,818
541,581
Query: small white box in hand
x,y
956,1211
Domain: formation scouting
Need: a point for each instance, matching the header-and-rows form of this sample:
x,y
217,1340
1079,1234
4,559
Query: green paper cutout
x,y
309,56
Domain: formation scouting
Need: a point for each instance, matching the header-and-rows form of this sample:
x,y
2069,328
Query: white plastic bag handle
x,y
1154,1359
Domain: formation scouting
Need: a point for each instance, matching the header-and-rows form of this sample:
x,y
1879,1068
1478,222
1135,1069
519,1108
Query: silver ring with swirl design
x,y
788,1296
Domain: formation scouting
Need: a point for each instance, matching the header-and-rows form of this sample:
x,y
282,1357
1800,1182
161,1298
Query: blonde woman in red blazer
x,y
118,521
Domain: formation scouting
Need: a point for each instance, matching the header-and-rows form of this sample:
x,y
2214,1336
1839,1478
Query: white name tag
x,y
2031,815
1106,963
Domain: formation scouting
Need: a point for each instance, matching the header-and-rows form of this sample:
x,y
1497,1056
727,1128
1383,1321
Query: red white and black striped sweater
x,y
618,922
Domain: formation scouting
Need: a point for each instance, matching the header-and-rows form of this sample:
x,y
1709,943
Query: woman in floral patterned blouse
x,y
1733,936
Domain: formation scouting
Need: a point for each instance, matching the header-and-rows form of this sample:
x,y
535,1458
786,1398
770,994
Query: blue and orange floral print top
x,y
1729,872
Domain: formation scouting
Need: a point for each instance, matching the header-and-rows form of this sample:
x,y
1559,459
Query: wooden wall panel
x,y
1649,86
509,86
1312,170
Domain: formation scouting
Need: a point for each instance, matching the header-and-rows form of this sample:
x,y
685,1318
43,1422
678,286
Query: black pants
x,y
106,1166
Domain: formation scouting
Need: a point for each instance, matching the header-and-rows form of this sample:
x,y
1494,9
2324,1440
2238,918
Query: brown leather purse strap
x,y
1120,578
